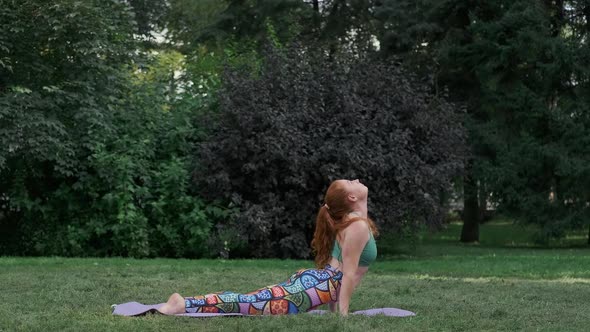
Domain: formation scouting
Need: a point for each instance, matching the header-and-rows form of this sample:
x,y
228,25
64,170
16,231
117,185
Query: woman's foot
x,y
174,306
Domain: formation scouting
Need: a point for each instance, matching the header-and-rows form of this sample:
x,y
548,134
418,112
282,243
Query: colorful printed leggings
x,y
303,291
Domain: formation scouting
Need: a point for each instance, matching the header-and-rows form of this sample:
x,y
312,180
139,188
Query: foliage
x,y
94,158
284,132
149,15
187,21
56,103
349,23
530,108
99,120
248,19
521,70
218,23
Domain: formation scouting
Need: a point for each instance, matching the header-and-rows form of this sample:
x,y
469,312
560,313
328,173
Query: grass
x,y
502,284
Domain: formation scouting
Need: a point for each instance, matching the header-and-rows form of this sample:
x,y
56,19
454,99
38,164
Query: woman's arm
x,y
353,240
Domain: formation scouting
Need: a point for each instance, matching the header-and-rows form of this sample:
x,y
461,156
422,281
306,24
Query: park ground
x,y
505,283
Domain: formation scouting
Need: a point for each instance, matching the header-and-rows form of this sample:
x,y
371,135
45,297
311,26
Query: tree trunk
x,y
316,5
587,15
172,87
482,202
470,230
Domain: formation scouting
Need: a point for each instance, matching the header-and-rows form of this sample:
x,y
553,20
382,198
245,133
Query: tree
x,y
61,80
94,147
521,70
149,15
192,24
530,93
576,18
421,33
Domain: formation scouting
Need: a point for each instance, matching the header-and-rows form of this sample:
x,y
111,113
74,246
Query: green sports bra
x,y
368,255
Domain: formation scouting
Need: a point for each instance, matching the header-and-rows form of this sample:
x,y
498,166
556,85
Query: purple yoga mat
x,y
393,312
136,308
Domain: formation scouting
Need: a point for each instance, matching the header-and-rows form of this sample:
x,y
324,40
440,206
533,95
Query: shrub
x,y
283,132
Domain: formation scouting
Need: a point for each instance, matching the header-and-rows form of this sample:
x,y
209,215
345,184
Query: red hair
x,y
331,219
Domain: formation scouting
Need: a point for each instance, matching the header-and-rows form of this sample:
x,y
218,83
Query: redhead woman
x,y
344,245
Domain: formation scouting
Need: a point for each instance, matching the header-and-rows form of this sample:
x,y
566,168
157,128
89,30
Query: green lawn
x,y
502,284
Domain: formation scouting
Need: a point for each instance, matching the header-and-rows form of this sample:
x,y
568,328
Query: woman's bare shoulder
x,y
357,227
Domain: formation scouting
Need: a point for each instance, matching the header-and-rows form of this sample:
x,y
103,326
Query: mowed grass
x,y
494,286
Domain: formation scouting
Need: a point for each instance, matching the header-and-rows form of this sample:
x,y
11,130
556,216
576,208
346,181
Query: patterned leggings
x,y
303,291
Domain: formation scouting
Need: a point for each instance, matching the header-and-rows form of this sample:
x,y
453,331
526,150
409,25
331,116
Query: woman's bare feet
x,y
175,305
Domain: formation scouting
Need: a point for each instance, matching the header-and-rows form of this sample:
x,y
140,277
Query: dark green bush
x,y
304,119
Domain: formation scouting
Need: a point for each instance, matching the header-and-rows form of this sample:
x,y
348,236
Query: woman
x,y
344,244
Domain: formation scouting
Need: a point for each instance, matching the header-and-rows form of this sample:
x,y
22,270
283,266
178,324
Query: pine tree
x,y
521,70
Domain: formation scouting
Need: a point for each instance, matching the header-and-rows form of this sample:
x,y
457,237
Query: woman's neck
x,y
360,210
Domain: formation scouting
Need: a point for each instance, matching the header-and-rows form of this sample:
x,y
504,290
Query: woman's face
x,y
355,188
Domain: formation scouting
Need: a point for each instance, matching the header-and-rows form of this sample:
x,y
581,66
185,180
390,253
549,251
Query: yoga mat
x,y
136,308
393,312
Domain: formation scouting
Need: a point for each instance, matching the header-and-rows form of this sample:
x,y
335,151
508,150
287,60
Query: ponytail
x,y
323,237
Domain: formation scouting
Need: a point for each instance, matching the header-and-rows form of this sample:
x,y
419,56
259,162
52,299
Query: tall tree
x,y
422,34
94,140
150,16
577,17
194,23
520,68
539,125
61,78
